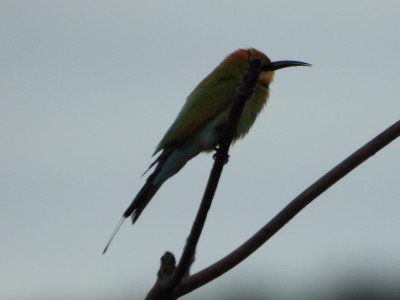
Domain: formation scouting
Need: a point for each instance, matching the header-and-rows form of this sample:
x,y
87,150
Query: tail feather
x,y
141,200
169,162
137,206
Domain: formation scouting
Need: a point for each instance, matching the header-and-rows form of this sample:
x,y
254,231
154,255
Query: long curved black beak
x,y
276,65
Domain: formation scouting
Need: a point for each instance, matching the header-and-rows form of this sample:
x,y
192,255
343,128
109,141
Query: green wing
x,y
208,99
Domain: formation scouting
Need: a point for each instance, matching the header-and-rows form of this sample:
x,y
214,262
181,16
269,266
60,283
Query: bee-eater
x,y
198,125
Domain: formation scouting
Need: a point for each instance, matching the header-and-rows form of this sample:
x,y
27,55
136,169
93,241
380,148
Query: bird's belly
x,y
208,139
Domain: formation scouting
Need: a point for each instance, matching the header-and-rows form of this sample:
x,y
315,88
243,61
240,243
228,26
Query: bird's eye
x,y
265,68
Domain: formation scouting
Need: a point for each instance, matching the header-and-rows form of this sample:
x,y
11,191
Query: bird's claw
x,y
216,154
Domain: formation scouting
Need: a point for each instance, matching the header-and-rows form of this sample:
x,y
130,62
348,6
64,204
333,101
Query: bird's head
x,y
237,62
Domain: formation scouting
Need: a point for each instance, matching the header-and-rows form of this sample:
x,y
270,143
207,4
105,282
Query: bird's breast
x,y
252,108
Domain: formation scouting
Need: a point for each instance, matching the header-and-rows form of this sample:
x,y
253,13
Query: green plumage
x,y
209,103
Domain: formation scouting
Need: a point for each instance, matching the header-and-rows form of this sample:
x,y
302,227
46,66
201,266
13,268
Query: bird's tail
x,y
168,163
141,200
137,206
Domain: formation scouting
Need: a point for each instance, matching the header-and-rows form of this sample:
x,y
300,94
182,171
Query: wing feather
x,y
208,99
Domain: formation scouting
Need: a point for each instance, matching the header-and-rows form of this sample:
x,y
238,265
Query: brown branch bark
x,y
166,284
194,281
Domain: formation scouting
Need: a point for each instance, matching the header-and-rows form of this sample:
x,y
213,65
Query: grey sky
x,y
88,88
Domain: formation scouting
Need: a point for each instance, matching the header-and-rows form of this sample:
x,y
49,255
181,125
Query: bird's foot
x,y
215,155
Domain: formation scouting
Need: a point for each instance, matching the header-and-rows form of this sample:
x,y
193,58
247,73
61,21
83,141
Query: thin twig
x,y
194,281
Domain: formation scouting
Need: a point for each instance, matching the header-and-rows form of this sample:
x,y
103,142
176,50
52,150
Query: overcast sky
x,y
88,88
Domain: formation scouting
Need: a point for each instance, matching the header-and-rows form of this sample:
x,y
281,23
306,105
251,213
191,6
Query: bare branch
x,y
191,283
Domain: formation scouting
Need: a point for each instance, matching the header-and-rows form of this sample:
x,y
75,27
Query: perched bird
x,y
198,125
